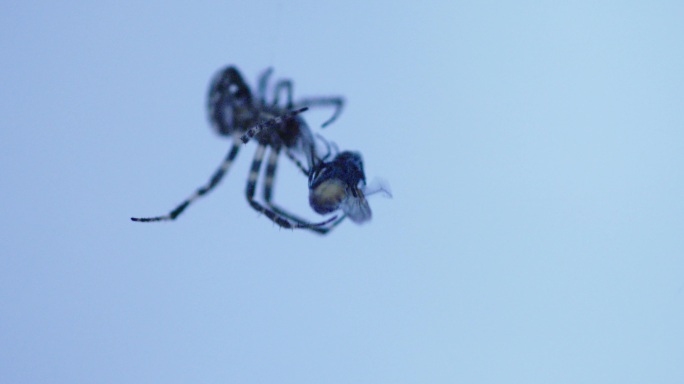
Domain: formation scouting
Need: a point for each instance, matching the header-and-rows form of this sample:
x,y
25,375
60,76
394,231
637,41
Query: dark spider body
x,y
235,112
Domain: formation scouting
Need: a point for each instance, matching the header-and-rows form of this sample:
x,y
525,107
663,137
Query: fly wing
x,y
356,208
378,186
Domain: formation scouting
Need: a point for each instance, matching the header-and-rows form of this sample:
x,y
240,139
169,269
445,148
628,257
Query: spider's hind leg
x,y
269,124
213,182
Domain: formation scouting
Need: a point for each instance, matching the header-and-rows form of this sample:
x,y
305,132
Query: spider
x,y
233,111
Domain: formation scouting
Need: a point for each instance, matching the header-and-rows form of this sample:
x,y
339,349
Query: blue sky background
x,y
534,151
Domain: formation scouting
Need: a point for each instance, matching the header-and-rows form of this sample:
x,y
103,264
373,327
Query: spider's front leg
x,y
334,101
263,85
285,85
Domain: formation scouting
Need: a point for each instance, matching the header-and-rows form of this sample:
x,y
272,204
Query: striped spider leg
x,y
285,85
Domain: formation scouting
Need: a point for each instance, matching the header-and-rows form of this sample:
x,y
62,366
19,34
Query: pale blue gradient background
x,y
535,152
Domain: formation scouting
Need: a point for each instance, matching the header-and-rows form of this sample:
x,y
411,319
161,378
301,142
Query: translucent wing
x,y
356,208
378,186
